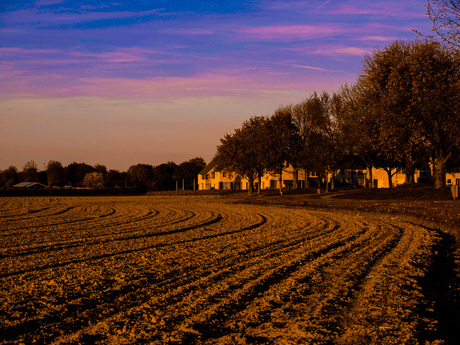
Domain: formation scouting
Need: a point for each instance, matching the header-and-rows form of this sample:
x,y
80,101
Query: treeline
x,y
402,112
141,176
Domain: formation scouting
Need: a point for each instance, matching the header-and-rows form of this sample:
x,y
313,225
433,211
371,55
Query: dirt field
x,y
208,270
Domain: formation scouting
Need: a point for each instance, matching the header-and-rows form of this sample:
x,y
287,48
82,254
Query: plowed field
x,y
194,269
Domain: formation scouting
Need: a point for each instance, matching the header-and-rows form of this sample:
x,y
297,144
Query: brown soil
x,y
215,270
434,208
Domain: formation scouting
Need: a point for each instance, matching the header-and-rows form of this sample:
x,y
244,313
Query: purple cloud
x,y
378,8
289,32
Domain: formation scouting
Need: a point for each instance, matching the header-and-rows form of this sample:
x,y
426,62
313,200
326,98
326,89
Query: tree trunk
x,y
281,183
390,175
307,178
333,180
327,182
409,169
295,176
259,189
371,177
251,186
439,171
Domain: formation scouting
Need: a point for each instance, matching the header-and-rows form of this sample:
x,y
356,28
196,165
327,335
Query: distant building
x,y
30,185
351,172
453,178
210,178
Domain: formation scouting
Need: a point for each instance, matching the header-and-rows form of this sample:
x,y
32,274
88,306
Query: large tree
x,y
389,90
55,173
332,117
141,175
445,16
113,178
30,172
358,126
244,151
163,176
94,180
187,171
435,76
9,177
308,116
282,143
412,88
76,172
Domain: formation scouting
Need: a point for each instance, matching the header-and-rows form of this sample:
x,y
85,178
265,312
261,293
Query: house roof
x,y
207,168
28,185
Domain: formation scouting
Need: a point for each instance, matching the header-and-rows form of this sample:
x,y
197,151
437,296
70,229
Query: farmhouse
x,y
30,185
453,178
210,178
350,173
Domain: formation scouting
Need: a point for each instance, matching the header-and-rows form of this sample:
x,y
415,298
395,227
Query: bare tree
x,y
445,16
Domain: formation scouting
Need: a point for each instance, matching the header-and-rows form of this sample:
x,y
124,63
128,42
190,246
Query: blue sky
x,y
126,82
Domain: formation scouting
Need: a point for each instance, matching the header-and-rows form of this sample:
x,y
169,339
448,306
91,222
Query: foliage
x,y
101,169
244,151
413,91
283,142
30,172
163,177
188,171
55,173
141,175
113,178
9,177
76,172
307,117
94,180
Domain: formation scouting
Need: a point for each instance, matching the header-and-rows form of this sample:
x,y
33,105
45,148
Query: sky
x,y
124,82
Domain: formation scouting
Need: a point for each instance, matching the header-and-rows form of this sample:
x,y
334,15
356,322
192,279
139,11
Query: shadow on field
x,y
441,286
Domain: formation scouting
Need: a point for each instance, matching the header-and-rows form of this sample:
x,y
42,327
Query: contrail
x,y
324,4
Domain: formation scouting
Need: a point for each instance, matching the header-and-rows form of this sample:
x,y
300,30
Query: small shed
x,y
30,185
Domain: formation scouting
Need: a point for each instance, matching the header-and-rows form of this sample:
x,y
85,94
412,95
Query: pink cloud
x,y
121,55
384,8
5,51
189,31
230,83
377,38
290,32
342,51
